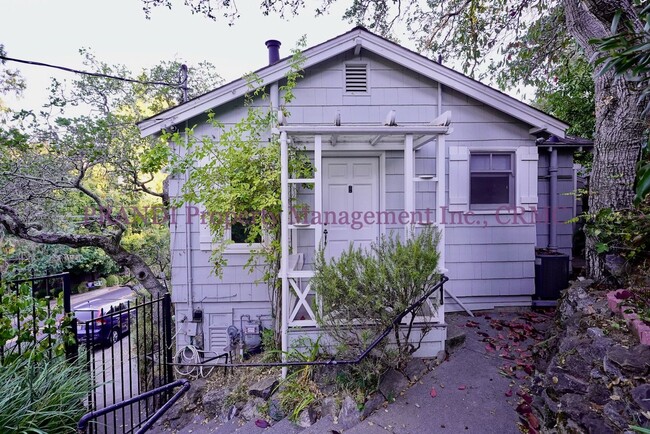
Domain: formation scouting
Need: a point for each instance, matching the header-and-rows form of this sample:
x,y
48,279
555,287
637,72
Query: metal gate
x,y
127,345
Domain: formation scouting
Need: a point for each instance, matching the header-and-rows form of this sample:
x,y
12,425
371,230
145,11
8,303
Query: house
x,y
392,133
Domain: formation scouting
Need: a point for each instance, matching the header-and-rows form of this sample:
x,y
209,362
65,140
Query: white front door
x,y
350,203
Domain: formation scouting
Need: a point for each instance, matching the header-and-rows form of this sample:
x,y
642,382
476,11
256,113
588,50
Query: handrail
x,y
82,426
332,362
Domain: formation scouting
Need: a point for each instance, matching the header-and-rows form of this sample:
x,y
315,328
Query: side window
x,y
239,233
492,180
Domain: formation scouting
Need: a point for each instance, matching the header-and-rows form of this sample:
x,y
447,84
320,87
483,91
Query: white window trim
x,y
493,208
525,177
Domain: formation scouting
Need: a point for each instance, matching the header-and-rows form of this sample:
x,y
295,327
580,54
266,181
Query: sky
x,y
117,32
53,31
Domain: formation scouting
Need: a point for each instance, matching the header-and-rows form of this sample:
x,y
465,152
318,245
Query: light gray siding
x,y
489,264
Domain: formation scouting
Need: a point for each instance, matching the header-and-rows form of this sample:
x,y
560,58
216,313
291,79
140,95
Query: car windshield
x,y
86,315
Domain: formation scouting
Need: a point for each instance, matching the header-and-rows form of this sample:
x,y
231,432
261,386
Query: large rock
x,y
214,401
633,360
329,407
415,369
350,414
641,396
392,384
251,409
264,388
306,418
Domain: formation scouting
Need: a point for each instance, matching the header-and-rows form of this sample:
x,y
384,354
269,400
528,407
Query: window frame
x,y
511,173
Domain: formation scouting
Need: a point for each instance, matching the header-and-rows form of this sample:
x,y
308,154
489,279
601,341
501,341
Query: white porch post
x,y
441,195
284,243
409,184
318,188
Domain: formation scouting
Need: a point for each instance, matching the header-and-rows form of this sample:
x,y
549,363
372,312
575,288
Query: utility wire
x,y
94,74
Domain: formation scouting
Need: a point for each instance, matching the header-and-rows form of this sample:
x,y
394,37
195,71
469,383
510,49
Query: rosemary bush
x,y
364,291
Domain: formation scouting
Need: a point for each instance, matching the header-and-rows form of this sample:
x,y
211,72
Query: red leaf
x,y
261,423
462,387
533,422
526,397
509,393
523,408
500,336
433,392
485,335
472,324
528,369
490,348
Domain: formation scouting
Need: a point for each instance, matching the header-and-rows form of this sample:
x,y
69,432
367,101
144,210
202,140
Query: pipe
x,y
188,245
274,50
552,202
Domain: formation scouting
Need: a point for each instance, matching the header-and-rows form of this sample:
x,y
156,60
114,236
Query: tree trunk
x,y
14,225
620,124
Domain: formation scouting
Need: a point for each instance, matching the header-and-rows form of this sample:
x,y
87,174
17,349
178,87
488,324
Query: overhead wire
x,y
180,84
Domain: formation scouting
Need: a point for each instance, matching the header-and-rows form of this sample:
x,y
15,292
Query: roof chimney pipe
x,y
274,50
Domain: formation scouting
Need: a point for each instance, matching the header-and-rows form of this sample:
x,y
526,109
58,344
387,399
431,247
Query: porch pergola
x,y
342,139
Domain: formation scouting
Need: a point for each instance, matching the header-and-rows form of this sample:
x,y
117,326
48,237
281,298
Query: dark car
x,y
102,322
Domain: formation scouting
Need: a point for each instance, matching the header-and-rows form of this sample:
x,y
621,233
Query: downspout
x,y
552,192
188,246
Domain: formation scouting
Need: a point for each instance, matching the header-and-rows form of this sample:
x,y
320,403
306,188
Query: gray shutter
x,y
458,179
526,176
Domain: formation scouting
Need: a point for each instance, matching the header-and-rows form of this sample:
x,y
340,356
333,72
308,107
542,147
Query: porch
x,y
337,150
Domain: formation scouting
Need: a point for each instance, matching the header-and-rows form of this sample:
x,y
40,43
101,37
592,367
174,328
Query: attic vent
x,y
356,78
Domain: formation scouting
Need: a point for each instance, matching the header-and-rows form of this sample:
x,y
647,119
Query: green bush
x,y
82,288
42,396
112,280
374,287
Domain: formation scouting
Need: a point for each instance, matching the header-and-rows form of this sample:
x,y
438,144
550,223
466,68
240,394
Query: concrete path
x,y
475,390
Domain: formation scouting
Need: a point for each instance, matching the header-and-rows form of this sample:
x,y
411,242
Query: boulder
x,y
329,407
633,360
306,418
641,396
213,401
372,403
349,415
251,409
275,410
392,384
264,388
415,369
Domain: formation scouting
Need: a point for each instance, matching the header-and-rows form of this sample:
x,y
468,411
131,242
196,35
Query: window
x,y
239,232
491,180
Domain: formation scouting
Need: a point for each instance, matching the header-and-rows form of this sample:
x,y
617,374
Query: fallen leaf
x,y
462,387
533,422
615,398
433,394
523,408
261,423
471,324
509,393
490,347
526,397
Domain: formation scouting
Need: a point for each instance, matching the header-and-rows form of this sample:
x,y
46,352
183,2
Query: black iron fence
x,y
29,306
128,350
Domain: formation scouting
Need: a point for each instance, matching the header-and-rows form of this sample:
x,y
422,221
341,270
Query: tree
x,y
72,180
515,43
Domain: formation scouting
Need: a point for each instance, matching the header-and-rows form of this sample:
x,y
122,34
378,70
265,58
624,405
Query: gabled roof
x,y
377,45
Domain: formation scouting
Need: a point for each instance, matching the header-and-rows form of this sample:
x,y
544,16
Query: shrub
x,y
82,288
112,280
363,292
42,396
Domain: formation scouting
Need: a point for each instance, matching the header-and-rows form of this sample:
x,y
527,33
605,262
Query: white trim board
x,y
380,47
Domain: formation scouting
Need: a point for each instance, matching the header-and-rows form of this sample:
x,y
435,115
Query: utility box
x,y
551,275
